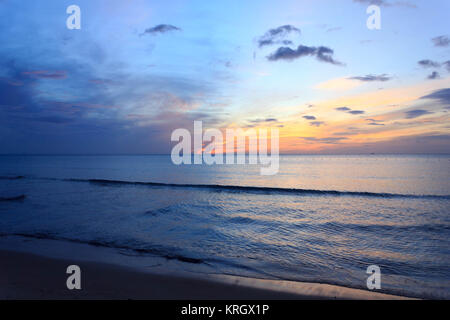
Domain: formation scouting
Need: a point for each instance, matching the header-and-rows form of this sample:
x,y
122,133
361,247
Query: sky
x,y
137,70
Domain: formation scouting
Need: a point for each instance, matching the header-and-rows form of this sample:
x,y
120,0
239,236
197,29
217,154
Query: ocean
x,y
322,218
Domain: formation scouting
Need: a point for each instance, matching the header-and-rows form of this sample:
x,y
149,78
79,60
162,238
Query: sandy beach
x,y
29,276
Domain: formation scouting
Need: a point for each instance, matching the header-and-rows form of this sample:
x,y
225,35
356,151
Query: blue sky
x,y
112,87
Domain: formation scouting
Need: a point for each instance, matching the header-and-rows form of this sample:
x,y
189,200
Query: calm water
x,y
321,219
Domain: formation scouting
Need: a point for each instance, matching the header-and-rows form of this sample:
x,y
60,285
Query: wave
x,y
16,198
251,189
166,254
243,189
11,177
108,244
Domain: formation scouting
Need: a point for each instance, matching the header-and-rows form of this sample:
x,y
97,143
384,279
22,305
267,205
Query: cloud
x,y
441,41
447,65
434,75
39,117
324,54
263,120
286,53
429,64
371,77
309,117
374,120
348,110
412,114
442,95
45,74
316,123
356,112
161,28
346,133
328,140
321,53
276,35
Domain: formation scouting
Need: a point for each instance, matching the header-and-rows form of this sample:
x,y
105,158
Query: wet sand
x,y
30,276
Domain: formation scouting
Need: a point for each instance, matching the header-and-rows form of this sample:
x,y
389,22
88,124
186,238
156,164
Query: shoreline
x,y
25,275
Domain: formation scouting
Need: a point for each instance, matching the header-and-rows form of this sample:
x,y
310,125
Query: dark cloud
x,y
356,112
371,77
271,42
429,64
325,54
161,28
442,95
309,117
412,114
286,53
434,75
441,41
89,118
321,53
316,123
276,35
447,65
343,109
348,110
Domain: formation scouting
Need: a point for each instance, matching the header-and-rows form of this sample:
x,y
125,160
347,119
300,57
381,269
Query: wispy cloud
x,y
442,95
373,120
327,140
412,114
257,121
277,35
441,41
429,63
323,54
161,28
349,110
433,75
371,77
309,117
316,123
447,65
343,109
356,112
45,74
